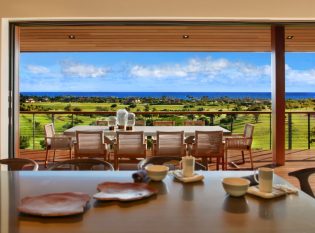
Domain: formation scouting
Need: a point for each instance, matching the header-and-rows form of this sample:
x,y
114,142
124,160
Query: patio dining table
x,y
178,207
148,130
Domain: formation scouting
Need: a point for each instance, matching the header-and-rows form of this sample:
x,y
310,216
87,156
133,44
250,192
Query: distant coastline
x,y
175,95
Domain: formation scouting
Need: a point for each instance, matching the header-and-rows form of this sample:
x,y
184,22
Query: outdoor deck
x,y
295,160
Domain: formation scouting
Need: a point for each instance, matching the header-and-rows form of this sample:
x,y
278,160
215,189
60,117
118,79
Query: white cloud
x,y
75,69
206,69
158,71
306,77
36,69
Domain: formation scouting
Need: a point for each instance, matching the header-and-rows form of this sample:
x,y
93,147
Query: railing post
x,y
53,118
289,131
33,131
308,130
232,121
72,120
270,132
211,119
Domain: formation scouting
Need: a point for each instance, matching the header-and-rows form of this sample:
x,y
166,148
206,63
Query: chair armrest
x,y
60,141
234,136
236,141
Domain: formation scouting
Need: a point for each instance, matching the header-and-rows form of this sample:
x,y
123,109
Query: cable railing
x,y
300,126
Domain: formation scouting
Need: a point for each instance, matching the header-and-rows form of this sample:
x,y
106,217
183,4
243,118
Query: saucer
x,y
254,190
195,178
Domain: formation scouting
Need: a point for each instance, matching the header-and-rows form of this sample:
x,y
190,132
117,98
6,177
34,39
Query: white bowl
x,y
157,172
235,186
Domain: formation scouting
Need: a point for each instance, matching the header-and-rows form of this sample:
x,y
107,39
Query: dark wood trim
x,y
13,98
278,93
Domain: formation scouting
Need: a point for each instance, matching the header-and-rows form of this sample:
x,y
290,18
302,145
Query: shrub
x,y
24,142
77,109
42,144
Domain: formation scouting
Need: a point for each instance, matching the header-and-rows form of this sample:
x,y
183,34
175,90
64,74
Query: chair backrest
x,y
17,164
303,177
248,134
49,133
170,143
82,165
49,130
208,143
163,123
248,130
130,143
89,143
102,122
192,123
140,123
171,161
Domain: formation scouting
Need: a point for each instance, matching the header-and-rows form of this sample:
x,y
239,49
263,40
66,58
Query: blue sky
x,y
161,71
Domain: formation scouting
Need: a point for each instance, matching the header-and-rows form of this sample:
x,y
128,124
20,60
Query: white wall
x,y
4,84
237,10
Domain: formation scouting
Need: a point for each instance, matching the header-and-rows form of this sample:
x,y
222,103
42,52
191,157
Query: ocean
x,y
175,95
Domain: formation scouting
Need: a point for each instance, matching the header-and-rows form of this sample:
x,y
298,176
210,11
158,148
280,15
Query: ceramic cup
x,y
265,178
188,166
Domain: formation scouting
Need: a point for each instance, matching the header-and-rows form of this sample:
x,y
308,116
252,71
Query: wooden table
x,y
148,130
195,207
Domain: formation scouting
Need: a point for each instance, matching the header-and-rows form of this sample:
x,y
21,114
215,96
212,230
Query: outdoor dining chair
x,y
102,122
129,145
18,164
240,142
90,144
163,123
209,144
140,123
194,123
82,165
190,139
303,176
169,143
55,142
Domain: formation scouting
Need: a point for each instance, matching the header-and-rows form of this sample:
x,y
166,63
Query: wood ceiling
x,y
220,38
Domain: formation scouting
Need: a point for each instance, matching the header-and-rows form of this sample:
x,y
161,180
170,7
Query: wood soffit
x,y
214,38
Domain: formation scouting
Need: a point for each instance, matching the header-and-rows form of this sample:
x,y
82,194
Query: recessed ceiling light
x,y
71,37
290,37
185,36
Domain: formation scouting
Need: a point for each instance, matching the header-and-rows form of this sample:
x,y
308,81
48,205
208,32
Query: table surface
x,y
178,207
148,130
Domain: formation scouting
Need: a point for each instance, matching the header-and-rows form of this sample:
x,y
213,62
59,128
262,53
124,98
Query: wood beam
x,y
278,93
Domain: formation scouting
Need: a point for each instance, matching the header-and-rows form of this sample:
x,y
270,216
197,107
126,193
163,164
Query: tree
x,y
256,117
147,107
68,107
